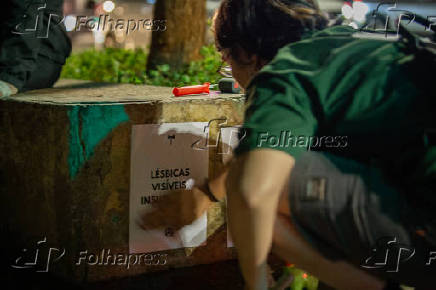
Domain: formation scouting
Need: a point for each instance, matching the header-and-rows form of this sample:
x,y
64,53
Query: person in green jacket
x,y
335,170
33,44
349,117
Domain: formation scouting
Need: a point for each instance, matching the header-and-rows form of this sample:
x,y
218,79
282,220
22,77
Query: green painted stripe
x,y
89,125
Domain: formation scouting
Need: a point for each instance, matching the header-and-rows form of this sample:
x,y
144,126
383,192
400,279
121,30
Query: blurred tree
x,y
184,36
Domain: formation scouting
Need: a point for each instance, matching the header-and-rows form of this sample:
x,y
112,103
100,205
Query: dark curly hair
x,y
262,27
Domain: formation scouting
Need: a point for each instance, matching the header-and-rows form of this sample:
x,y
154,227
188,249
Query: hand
x,y
176,209
7,89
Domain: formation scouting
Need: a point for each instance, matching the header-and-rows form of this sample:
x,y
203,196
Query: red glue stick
x,y
191,90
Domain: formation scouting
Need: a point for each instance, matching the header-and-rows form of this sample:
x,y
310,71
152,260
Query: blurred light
x,y
347,10
108,6
70,22
151,1
360,10
304,276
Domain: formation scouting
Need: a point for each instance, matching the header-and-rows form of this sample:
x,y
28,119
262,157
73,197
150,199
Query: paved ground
x,y
217,276
209,277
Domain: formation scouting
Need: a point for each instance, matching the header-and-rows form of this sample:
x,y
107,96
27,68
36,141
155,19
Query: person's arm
x,y
254,184
217,185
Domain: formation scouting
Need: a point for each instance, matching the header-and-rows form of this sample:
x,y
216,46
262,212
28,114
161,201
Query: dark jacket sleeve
x,y
31,29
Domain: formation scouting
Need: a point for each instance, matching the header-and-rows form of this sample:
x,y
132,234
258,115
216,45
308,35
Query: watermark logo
x,y
37,24
402,15
105,22
43,257
105,258
389,254
285,139
37,260
236,135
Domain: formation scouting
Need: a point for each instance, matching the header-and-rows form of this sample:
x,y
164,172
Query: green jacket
x,y
365,99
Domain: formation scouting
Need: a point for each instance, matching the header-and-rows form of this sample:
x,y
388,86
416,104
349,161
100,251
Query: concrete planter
x,y
64,172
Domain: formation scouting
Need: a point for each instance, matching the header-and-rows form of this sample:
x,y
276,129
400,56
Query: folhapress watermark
x,y
282,139
105,22
42,257
285,139
39,21
105,258
235,134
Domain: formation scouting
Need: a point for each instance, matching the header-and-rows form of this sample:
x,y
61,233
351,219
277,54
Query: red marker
x,y
191,90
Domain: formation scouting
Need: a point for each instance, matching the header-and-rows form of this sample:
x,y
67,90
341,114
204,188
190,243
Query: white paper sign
x,y
162,160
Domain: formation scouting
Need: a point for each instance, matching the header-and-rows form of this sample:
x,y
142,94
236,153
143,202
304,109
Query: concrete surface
x,y
65,164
